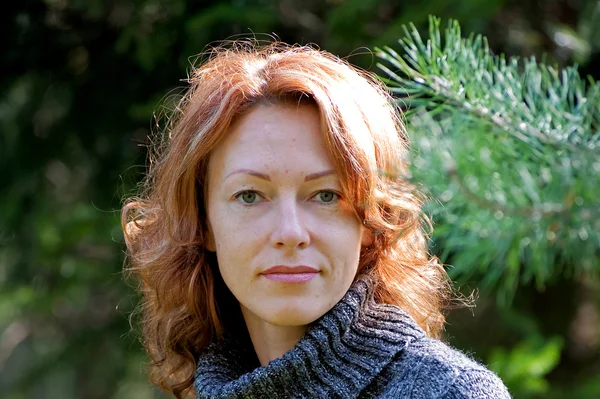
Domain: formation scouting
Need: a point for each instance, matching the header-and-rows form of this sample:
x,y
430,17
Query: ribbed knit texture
x,y
359,349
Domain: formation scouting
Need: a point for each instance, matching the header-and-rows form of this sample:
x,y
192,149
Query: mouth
x,y
291,274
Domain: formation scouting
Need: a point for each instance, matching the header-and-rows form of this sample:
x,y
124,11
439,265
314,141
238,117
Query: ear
x,y
209,240
367,237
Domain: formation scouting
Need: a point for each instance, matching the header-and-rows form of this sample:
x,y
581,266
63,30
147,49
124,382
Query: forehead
x,y
274,136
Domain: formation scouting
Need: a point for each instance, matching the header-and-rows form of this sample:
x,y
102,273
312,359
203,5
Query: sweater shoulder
x,y
429,368
433,354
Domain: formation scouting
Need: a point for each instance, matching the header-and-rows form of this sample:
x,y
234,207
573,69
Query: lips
x,y
291,274
290,270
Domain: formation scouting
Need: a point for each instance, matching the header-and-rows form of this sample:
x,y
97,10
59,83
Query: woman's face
x,y
287,243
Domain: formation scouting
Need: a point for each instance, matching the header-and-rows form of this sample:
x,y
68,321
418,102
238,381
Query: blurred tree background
x,y
80,83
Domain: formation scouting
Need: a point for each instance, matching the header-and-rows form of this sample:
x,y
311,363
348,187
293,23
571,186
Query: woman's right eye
x,y
248,197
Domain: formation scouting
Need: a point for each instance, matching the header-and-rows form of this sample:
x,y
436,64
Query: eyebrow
x,y
318,175
312,176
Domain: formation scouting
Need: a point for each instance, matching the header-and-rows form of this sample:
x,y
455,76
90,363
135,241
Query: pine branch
x,y
539,103
509,149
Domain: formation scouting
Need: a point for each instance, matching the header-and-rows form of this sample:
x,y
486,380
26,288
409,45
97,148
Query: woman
x,y
281,251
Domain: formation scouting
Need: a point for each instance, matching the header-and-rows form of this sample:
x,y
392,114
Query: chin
x,y
299,313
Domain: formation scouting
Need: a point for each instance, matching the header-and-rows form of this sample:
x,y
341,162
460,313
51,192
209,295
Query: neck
x,y
271,341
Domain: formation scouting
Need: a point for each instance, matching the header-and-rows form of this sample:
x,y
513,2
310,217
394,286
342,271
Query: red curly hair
x,y
165,227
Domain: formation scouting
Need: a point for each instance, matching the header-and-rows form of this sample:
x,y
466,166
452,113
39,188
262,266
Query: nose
x,y
290,230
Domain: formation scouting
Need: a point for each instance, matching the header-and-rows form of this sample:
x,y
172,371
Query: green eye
x,y
326,196
248,197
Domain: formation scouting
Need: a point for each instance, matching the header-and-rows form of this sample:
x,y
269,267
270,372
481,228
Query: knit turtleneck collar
x,y
339,356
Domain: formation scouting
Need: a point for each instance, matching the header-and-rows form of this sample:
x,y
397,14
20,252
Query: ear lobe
x,y
367,237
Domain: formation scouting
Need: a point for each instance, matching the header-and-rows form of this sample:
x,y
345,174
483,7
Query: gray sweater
x,y
359,349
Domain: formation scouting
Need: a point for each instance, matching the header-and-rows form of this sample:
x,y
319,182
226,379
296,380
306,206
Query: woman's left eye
x,y
327,196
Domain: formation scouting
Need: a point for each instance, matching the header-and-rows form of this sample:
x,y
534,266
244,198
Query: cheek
x,y
235,240
235,248
232,264
352,232
223,228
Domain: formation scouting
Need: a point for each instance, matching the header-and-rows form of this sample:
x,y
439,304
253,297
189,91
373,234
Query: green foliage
x,y
523,367
509,151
